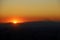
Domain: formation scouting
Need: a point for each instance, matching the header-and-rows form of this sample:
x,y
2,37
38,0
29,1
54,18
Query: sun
x,y
15,22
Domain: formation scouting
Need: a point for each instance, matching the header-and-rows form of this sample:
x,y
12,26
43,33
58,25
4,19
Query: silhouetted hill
x,y
46,30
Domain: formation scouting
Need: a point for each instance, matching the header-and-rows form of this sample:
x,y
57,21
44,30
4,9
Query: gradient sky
x,y
31,9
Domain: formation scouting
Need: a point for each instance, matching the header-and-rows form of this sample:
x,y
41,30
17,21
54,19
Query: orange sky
x,y
30,10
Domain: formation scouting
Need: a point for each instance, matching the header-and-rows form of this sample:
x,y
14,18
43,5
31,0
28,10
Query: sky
x,y
31,10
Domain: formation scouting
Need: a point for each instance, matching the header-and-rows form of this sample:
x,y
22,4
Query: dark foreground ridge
x,y
30,31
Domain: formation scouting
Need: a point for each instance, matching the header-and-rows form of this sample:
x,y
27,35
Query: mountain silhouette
x,y
39,30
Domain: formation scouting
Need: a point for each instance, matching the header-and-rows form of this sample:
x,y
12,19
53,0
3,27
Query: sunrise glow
x,y
15,21
30,10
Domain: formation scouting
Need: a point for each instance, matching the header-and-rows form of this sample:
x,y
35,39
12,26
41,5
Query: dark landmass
x,y
30,31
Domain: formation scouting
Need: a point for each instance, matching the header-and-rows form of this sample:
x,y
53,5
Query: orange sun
x,y
14,22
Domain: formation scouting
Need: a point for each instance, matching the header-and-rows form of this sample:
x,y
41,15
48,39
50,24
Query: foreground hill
x,y
31,31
